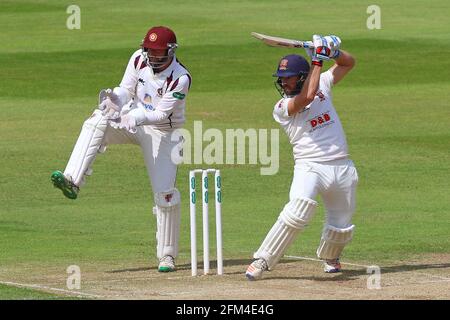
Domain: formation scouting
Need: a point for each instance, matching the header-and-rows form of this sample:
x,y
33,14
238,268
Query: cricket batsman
x,y
322,164
146,107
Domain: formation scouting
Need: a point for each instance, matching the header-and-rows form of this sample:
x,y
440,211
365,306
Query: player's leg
x,y
167,211
338,229
94,136
294,217
157,148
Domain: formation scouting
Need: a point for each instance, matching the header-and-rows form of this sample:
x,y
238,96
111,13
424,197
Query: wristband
x,y
337,54
317,63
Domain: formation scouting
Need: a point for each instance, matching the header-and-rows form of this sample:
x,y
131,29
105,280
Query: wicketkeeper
x,y
322,164
144,109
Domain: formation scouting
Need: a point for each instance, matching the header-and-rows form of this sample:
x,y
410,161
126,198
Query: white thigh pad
x,y
294,217
333,241
168,217
86,148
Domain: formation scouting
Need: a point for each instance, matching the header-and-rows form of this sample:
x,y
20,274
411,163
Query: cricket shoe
x,y
166,264
332,266
256,269
69,189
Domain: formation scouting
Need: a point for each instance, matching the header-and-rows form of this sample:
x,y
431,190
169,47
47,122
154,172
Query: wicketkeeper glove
x,y
128,122
109,104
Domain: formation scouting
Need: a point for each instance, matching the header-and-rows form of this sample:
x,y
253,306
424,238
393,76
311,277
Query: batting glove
x,y
321,51
334,44
314,59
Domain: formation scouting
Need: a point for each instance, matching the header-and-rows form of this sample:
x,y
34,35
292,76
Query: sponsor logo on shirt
x,y
320,121
148,102
179,95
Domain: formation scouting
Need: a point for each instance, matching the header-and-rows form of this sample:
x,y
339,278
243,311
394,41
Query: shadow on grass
x,y
213,265
345,275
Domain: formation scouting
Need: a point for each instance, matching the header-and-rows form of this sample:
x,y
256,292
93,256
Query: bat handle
x,y
308,44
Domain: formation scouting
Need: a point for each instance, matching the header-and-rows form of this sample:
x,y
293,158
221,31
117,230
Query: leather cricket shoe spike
x,y
332,266
65,185
166,264
256,269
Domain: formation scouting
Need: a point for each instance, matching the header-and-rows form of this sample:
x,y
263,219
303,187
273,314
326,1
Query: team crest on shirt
x,y
283,64
148,102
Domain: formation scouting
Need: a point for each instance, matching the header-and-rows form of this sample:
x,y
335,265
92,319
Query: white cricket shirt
x,y
316,132
162,95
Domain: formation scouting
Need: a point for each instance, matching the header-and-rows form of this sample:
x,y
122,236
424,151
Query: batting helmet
x,y
159,38
289,66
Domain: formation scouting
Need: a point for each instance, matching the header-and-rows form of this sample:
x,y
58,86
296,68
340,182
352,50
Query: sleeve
x,y
127,88
326,80
171,100
280,111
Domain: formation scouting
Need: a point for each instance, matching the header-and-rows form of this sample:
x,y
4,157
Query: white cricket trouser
x,y
156,146
335,181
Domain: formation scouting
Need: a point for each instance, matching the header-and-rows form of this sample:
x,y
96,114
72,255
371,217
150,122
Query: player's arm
x,y
127,88
308,92
319,53
343,64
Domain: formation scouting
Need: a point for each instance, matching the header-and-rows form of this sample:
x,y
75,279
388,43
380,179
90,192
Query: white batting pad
x,y
333,242
86,148
168,216
291,221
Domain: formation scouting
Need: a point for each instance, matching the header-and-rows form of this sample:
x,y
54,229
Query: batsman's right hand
x,y
334,43
109,104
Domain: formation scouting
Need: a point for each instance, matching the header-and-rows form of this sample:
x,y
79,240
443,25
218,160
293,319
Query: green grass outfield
x,y
394,107
14,293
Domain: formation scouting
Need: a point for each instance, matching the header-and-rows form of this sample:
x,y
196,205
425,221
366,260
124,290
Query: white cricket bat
x,y
282,42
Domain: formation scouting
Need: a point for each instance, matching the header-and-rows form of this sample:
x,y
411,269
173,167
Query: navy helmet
x,y
289,66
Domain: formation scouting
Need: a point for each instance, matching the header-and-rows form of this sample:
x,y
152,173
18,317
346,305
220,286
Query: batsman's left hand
x,y
321,50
